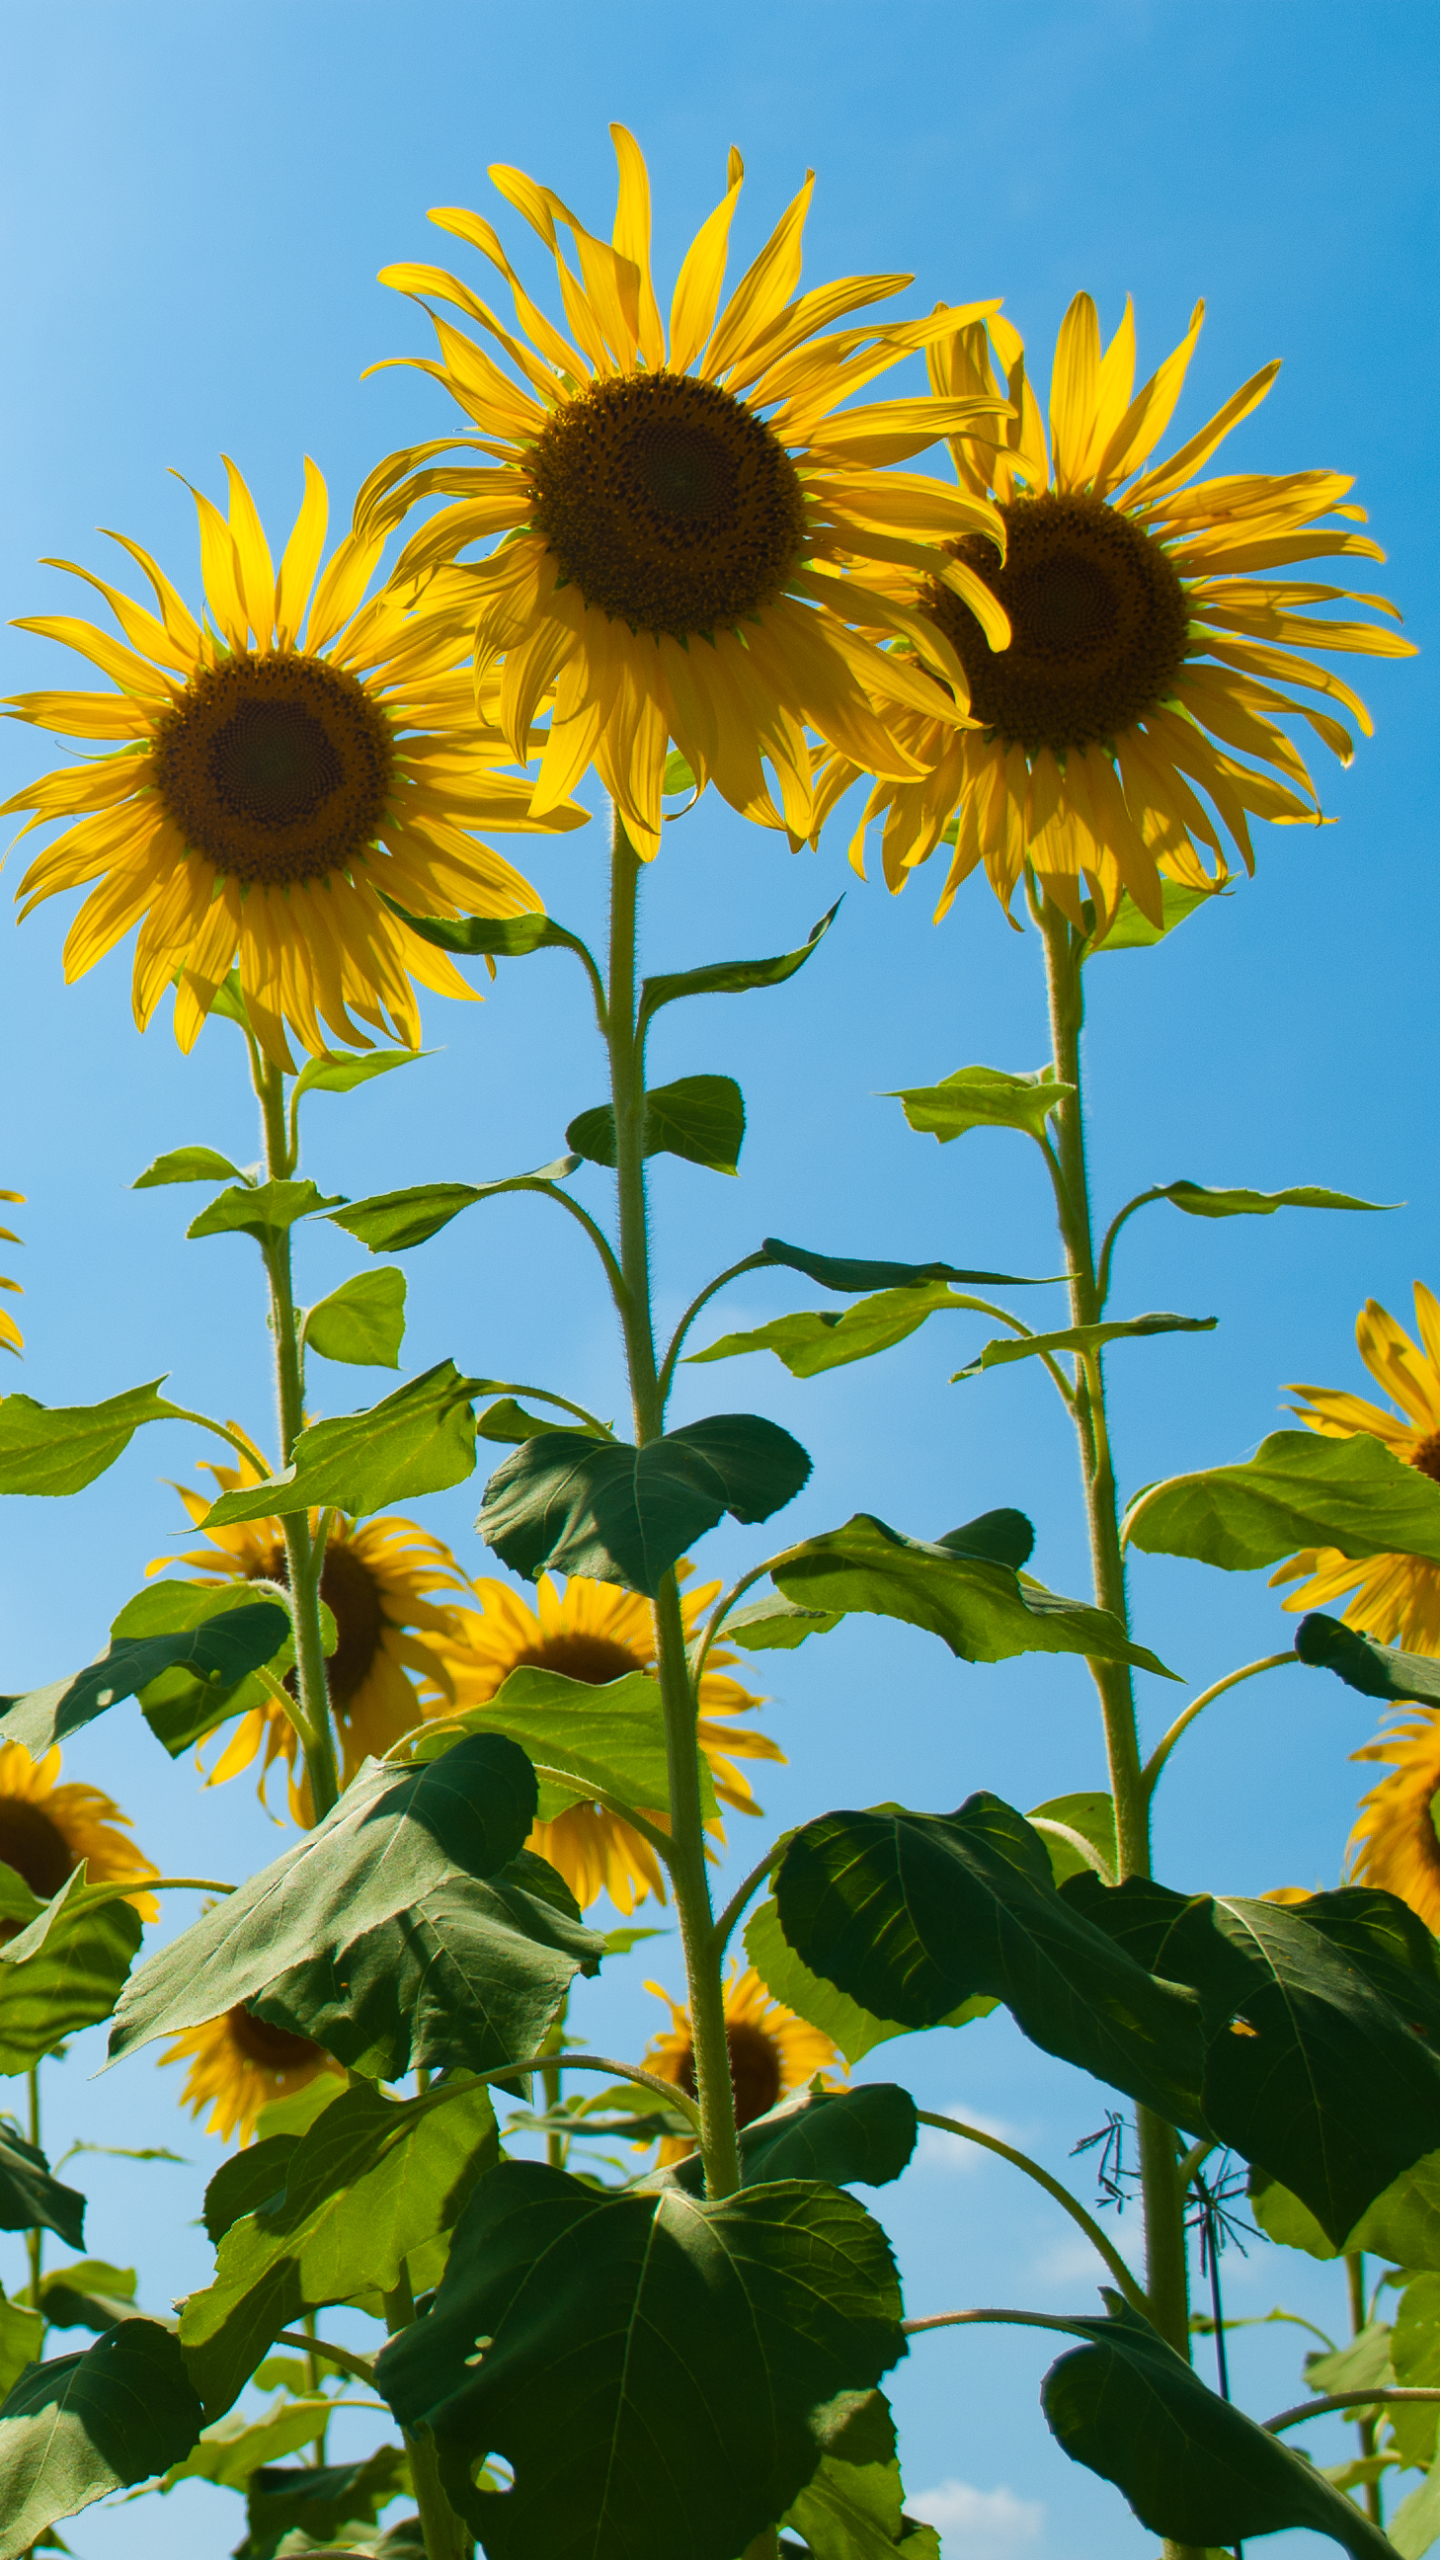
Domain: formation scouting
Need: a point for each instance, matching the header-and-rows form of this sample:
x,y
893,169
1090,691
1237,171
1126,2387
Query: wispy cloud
x,y
978,2524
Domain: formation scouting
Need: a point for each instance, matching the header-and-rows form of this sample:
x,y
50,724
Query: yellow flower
x,y
771,2051
1396,1598
599,1633
11,1337
46,1830
1150,638
244,2065
274,782
1394,1842
374,1580
675,510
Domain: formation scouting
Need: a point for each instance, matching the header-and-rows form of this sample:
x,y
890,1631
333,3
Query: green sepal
x,y
418,1440
188,1164
1301,1489
362,1322
265,1212
76,2428
395,1221
701,1118
218,1653
732,977
1080,1338
982,1098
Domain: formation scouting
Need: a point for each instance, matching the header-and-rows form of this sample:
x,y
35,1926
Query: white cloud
x,y
937,2150
977,2524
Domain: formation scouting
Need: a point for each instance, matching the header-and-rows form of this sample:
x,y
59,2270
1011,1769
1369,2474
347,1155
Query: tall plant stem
x,y
35,2240
445,2535
1364,2427
719,2141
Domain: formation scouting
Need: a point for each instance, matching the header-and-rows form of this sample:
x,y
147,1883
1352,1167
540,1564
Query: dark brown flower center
x,y
274,2048
1099,622
755,2070
35,1846
1427,1457
581,1657
277,768
352,1595
668,503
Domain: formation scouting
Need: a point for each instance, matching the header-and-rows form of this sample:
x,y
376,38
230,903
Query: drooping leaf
x,y
1376,1670
57,1448
816,1338
409,1929
1192,2466
393,1221
983,1610
31,2198
218,1652
720,2327
319,2502
265,1212
583,1736
853,1279
1199,1200
732,977
1132,930
511,1422
82,2425
363,1321
184,1704
368,2185
701,1118
491,937
341,1070
64,1971
776,1625
853,2029
577,1505
1081,1338
982,1098
187,1164
1299,1490
234,2447
849,2137
911,1914
418,1440
88,2294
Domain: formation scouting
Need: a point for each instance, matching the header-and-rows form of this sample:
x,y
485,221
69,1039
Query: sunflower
x,y
47,1830
1150,638
675,511
375,1580
771,2051
1395,1597
244,2065
1394,1842
598,1632
274,783
11,1337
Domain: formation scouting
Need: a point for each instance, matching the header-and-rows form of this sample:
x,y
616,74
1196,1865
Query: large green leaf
x,y
393,1221
418,1440
584,1737
616,2322
732,977
912,1913
371,2182
82,2425
187,1164
577,1505
30,2198
1301,1489
853,2029
65,1970
317,2502
183,1705
216,1653
228,2452
22,2341
850,2137
265,1211
1376,1670
363,1321
1202,1200
854,2507
985,1611
1415,2365
701,1118
58,1448
818,1338
1193,2467
410,1928
853,1279
982,1098
1079,1337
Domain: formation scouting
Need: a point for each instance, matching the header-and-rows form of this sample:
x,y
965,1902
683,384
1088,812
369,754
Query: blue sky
x,y
197,201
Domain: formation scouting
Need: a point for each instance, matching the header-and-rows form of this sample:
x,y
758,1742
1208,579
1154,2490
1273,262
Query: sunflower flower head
x,y
280,772
1158,637
48,1830
239,2064
598,1633
679,508
11,1337
1394,1843
1394,1597
771,2052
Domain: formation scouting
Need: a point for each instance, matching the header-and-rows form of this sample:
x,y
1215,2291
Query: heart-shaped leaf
x,y
701,1118
363,1321
577,1505
982,1098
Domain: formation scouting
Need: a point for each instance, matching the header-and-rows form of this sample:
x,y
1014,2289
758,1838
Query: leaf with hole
x,y
31,2197
187,1164
363,1321
418,1440
733,977
394,1221
57,1448
584,1737
723,2328
573,1504
982,1098
219,1652
266,1213
849,2137
1299,1490
1080,1338
76,2428
1376,1670
854,1279
701,1118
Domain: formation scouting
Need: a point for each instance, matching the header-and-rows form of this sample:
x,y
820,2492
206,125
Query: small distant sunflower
x,y
243,2065
1394,1843
11,1337
1150,637
268,793
675,512
46,1830
375,1580
771,2051
598,1632
1395,1597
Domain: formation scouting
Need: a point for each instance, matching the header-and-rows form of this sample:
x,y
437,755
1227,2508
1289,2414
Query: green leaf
x,y
88,2294
854,2030
1080,1338
984,1611
363,1321
1376,1670
490,937
1284,2219
723,2328
220,1651
372,2180
817,1338
319,2501
83,1951
701,1118
848,2137
509,1422
1415,2363
253,2177
183,1705
228,2452
409,1929
58,1448
265,1214
187,1164
1363,2360
856,2511
1092,1817
393,1221
982,1098
732,977
340,1070
418,1440
82,2425
855,1279
776,1625
912,1913
1416,2521
22,2341
1198,1201
1192,2466
1299,1490
577,1505
1130,930
1404,2222
678,775
30,2198
585,1736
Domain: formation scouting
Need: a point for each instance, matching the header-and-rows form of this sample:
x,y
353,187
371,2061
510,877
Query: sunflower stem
x,y
35,2240
446,2537
719,2140
1364,2427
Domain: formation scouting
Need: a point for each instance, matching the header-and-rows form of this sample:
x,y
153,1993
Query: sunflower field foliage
x,y
643,2306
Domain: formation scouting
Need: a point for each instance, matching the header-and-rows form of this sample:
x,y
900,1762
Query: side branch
x,y
1083,2221
1150,1774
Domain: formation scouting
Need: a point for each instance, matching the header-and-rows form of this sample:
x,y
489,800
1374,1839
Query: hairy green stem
x,y
35,2240
446,2538
1150,1774
719,2141
1364,2427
